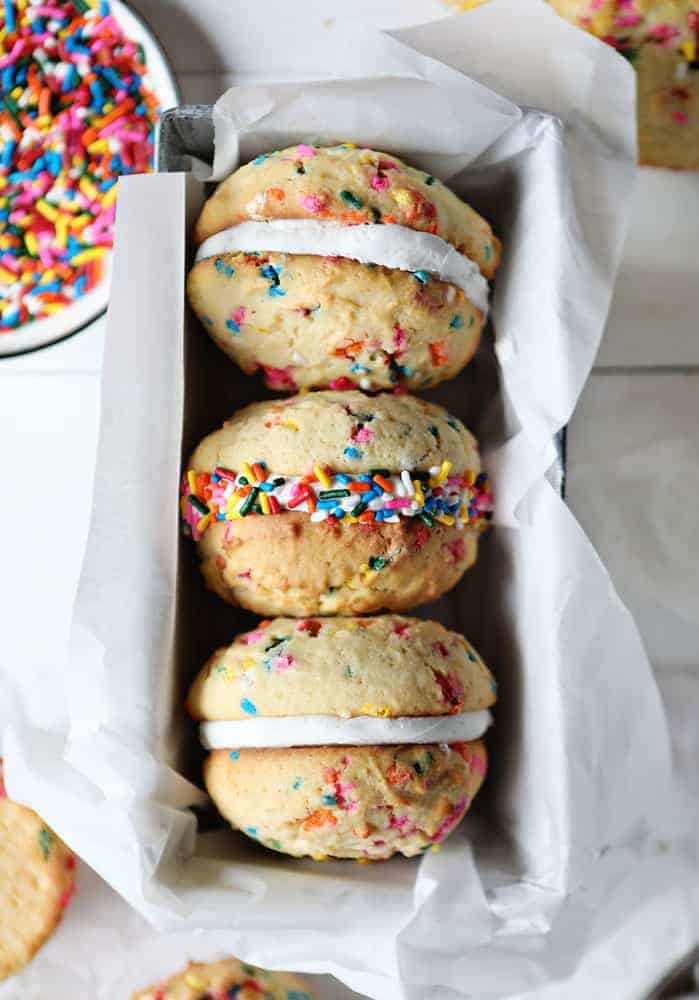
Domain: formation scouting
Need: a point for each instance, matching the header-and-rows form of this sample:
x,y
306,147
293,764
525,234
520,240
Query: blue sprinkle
x,y
493,685
339,513
276,290
266,487
234,754
232,325
342,478
360,368
328,800
247,706
10,22
325,504
260,159
297,995
422,276
352,452
223,268
252,830
457,322
297,784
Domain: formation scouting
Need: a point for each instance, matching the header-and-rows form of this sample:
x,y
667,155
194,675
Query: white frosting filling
x,y
326,730
392,246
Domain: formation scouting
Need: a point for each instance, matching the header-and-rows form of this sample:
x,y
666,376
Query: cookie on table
x,y
336,502
226,979
37,880
329,321
331,797
660,38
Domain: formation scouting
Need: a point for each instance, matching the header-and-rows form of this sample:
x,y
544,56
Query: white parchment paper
x,y
580,767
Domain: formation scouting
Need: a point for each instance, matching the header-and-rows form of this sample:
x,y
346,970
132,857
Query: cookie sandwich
x,y
342,267
225,980
37,881
344,737
336,502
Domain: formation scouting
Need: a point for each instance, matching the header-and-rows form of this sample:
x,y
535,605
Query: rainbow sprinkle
x,y
379,496
75,115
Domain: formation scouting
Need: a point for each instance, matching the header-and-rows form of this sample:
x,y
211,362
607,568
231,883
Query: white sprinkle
x,y
408,483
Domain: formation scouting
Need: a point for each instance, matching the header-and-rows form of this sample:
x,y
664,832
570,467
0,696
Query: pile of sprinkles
x,y
437,496
75,115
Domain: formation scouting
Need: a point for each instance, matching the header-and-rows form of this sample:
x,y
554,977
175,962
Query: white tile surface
x,y
633,484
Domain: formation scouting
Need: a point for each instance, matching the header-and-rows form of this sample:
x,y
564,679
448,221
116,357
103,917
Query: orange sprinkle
x,y
358,487
276,193
384,483
44,102
259,472
311,501
318,819
439,352
367,517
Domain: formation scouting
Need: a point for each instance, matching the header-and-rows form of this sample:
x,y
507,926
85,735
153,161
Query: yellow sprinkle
x,y
79,222
264,503
469,477
61,228
110,196
94,253
377,711
325,482
247,472
363,861
194,981
444,519
442,474
42,121
350,145
689,50
320,857
16,93
71,207
403,197
53,307
32,244
419,495
183,506
7,277
204,523
290,425
436,847
303,390
78,160
88,188
48,211
192,480
98,146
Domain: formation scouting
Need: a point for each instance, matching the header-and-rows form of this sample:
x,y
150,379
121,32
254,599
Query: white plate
x,y
75,317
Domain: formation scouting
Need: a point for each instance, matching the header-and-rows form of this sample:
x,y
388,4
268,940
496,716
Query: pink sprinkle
x,y
627,20
252,636
379,183
596,4
279,378
477,764
362,436
47,11
14,53
681,117
400,337
451,688
239,315
282,663
303,150
397,503
402,630
450,822
664,34
314,203
440,648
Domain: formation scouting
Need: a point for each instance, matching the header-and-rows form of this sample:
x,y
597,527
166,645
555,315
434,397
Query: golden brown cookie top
x,y
389,666
346,431
350,185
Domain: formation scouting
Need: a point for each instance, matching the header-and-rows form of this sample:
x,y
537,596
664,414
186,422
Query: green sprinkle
x,y
429,179
45,842
351,199
426,518
471,322
488,251
348,672
249,500
377,562
198,504
333,494
242,481
297,784
360,508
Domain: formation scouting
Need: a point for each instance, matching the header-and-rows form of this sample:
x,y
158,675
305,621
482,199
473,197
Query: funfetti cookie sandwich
x,y
342,267
227,979
336,502
37,880
344,737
